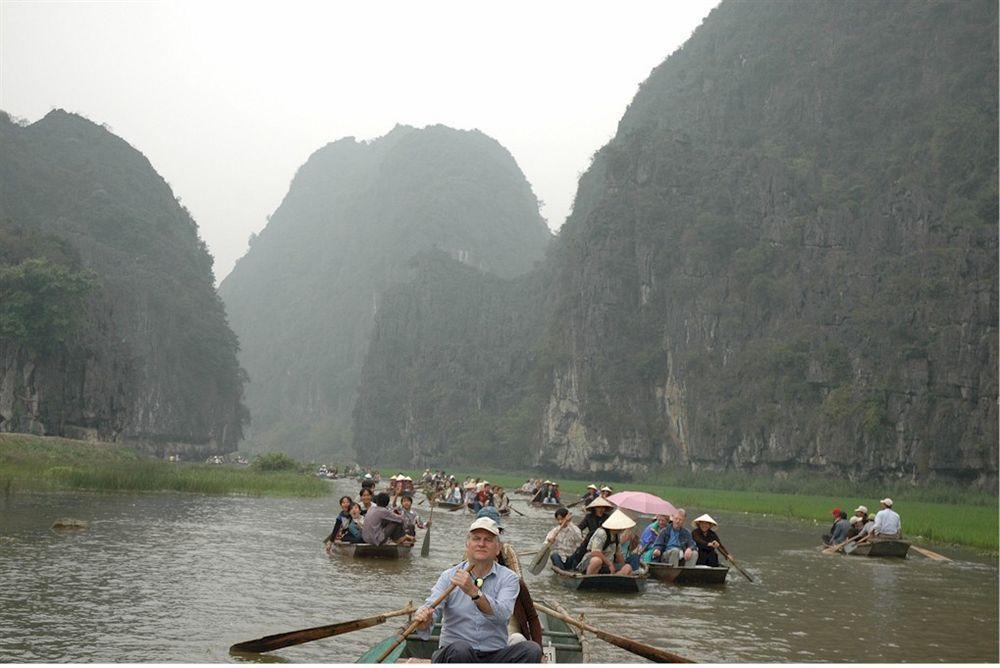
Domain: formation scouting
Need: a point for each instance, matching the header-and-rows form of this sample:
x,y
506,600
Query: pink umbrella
x,y
643,503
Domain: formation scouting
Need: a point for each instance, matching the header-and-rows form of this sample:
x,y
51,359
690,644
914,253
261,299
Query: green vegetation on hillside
x,y
31,463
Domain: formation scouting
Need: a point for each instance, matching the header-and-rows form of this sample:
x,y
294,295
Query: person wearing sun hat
x,y
591,494
706,539
597,511
606,491
475,615
887,521
604,550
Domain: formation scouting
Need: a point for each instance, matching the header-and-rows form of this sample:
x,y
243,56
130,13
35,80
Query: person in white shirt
x,y
887,522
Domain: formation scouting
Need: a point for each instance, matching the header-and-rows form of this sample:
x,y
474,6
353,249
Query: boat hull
x,y
882,548
688,575
546,506
449,505
561,642
626,584
367,551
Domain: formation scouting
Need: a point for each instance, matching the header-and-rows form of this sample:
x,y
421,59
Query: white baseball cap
x,y
487,524
887,501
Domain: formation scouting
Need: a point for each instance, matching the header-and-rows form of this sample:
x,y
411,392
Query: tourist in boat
x,y
887,525
470,495
604,551
368,482
366,500
564,540
406,485
383,525
343,518
862,512
528,487
454,494
476,613
484,496
840,529
591,494
411,520
354,530
828,536
707,540
606,491
553,494
649,535
675,545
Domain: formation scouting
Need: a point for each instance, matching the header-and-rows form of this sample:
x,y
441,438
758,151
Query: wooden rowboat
x,y
629,584
561,643
449,505
368,551
881,548
547,506
688,575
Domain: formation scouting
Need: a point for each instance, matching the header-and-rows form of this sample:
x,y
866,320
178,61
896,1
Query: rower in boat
x,y
500,501
597,511
476,613
383,525
565,541
675,545
606,491
591,494
604,551
707,540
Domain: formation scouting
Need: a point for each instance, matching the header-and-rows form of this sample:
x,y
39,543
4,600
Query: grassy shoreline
x,y
973,523
39,464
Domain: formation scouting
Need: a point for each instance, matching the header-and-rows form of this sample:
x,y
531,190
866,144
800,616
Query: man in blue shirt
x,y
675,543
476,612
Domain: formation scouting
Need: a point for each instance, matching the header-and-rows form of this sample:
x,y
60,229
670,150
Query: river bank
x,y
972,524
44,463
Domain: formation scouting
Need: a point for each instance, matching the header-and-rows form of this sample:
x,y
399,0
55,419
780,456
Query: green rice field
x,y
973,522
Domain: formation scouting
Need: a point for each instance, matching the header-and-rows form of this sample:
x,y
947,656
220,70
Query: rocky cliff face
x,y
786,259
787,256
304,298
146,356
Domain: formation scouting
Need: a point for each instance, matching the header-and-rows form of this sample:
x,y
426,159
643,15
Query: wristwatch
x,y
478,594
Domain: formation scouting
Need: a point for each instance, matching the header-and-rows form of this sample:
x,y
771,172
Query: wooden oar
x,y
930,554
413,625
834,549
729,558
511,506
425,549
646,651
279,640
543,554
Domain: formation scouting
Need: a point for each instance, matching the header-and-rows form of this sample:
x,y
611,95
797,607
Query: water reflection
x,y
168,577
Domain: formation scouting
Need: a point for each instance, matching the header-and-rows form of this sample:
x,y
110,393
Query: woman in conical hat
x,y
706,538
604,550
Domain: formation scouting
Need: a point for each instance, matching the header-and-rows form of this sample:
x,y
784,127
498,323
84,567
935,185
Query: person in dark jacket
x,y
707,540
597,512
675,545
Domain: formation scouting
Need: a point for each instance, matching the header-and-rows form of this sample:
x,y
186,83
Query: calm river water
x,y
179,578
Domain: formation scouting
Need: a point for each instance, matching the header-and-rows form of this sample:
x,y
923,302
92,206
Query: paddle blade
x,y
930,554
279,640
538,563
425,549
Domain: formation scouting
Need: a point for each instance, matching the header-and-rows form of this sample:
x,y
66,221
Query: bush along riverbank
x,y
33,463
933,515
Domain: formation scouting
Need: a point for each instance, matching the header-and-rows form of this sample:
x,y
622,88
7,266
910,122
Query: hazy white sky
x,y
228,99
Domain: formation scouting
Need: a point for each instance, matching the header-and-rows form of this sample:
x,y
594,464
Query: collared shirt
x,y
374,528
566,541
671,537
887,521
463,620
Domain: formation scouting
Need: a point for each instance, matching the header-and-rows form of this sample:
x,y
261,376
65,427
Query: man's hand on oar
x,y
654,654
277,641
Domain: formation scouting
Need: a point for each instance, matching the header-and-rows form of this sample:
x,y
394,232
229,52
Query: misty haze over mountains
x,y
785,260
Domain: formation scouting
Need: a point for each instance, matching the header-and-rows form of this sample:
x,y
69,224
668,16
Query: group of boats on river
x,y
621,541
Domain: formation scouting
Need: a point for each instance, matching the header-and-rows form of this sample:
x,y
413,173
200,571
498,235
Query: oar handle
x,y
646,651
729,557
414,624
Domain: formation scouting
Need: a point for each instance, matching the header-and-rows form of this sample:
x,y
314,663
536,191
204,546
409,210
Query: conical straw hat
x,y
704,518
618,520
600,502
